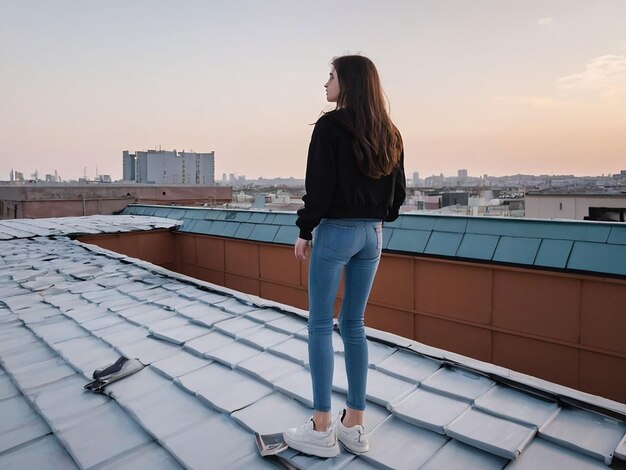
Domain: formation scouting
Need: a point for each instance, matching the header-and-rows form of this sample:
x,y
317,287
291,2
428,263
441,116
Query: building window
x,y
560,206
607,214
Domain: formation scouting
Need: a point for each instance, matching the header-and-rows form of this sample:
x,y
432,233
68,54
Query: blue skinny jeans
x,y
353,245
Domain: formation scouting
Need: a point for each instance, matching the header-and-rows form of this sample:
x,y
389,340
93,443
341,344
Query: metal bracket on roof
x,y
120,369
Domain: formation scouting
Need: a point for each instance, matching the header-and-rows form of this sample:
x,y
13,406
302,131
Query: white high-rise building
x,y
128,166
169,167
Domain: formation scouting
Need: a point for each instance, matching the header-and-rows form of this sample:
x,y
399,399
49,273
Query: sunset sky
x,y
494,86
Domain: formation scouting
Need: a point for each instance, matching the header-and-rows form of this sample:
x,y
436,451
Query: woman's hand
x,y
301,248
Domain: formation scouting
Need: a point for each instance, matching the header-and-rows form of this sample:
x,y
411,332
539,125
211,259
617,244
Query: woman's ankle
x,y
352,417
321,421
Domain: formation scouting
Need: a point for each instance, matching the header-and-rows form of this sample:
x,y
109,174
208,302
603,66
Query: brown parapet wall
x,y
562,327
156,246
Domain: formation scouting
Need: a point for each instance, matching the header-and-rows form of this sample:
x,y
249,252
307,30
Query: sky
x,y
493,86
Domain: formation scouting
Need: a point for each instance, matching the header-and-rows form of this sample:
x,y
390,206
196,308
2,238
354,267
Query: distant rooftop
x,y
594,193
221,365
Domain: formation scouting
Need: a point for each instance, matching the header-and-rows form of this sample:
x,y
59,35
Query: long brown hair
x,y
378,143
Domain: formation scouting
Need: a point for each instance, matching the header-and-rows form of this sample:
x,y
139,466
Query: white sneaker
x,y
353,438
309,441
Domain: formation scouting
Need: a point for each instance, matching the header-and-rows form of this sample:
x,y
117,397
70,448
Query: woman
x,y
354,182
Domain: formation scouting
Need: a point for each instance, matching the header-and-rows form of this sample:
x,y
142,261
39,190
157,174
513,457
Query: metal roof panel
x,y
117,433
543,454
210,382
517,250
244,231
515,405
218,439
617,235
458,383
490,433
443,243
408,240
477,246
554,253
401,445
287,235
458,455
408,366
263,233
385,389
179,364
454,224
591,433
46,452
610,259
429,410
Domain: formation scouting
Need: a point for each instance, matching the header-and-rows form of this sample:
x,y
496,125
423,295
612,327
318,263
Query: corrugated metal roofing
x,y
221,365
595,247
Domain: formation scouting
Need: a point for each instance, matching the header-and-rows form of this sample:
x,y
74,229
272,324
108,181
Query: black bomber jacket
x,y
336,188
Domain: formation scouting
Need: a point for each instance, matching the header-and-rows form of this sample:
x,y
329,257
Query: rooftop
x,y
564,245
579,193
222,364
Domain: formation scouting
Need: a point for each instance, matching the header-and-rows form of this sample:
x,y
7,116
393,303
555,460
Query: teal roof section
x,y
617,236
518,250
610,259
286,234
425,223
554,253
553,229
411,241
593,247
443,243
244,231
450,224
265,233
478,246
237,216
231,229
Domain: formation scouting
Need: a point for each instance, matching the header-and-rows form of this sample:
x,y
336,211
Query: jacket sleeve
x,y
399,192
320,180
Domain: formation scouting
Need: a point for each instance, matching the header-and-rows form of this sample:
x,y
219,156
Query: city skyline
x,y
535,87
236,176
